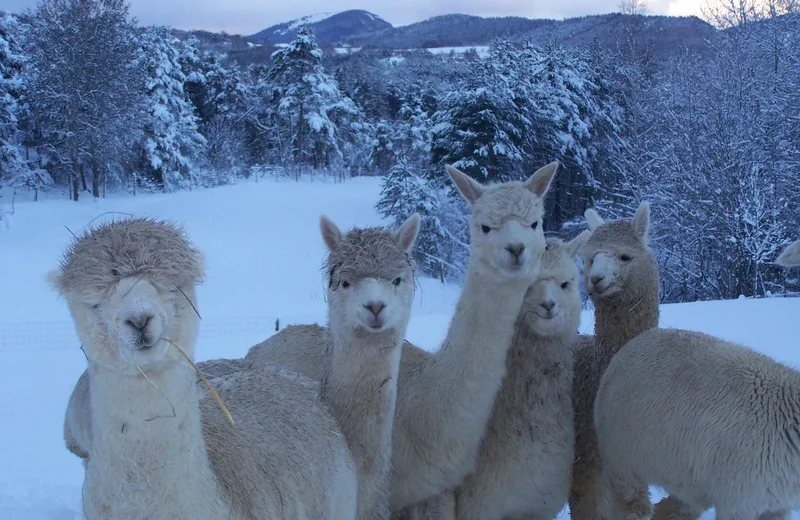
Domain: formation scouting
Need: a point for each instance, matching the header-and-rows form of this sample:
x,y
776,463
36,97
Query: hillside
x,y
263,264
328,27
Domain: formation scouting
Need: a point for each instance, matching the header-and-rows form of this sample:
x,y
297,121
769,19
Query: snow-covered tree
x,y
317,118
84,87
479,127
12,162
439,251
172,140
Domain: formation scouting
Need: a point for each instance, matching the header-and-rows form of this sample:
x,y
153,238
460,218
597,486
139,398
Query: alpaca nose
x,y
375,307
548,305
515,249
596,278
139,322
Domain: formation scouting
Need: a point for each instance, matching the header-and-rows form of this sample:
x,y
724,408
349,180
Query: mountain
x,y
450,30
458,30
329,28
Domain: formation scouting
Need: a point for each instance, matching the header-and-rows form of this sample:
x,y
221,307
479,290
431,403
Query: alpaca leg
x,y
588,498
782,514
631,498
671,508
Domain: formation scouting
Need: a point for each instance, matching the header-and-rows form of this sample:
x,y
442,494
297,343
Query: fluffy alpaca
x,y
790,257
711,422
370,290
444,400
527,452
621,276
157,448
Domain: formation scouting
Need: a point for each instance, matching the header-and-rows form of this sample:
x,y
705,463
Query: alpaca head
x,y
790,257
506,236
370,276
128,284
618,259
552,305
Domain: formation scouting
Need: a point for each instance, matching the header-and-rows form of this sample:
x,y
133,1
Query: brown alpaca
x,y
622,279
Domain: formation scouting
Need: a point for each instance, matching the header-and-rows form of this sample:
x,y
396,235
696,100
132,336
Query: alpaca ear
x,y
54,278
790,256
330,233
641,220
575,245
470,189
406,235
540,181
593,218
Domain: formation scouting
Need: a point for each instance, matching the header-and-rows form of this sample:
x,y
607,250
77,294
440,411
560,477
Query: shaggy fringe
x,y
146,247
367,252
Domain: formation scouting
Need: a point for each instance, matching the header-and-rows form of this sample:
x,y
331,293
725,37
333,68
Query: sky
x,y
250,16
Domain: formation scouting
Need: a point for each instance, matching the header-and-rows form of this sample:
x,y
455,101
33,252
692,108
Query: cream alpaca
x,y
711,422
444,401
155,447
672,507
526,457
370,290
790,257
622,280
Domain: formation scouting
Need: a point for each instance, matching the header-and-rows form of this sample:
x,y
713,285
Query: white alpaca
x,y
525,462
711,422
790,257
370,290
621,277
672,508
445,400
156,447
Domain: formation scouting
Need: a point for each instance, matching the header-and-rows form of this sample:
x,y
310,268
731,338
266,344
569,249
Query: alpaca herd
x,y
515,415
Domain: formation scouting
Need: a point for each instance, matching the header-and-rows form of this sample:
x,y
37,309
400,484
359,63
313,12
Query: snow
x,y
482,50
305,20
263,257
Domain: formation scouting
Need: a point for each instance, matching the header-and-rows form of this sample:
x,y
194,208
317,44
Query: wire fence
x,y
61,335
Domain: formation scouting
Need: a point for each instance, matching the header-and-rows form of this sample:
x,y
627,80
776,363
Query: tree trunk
x,y
75,186
95,178
83,178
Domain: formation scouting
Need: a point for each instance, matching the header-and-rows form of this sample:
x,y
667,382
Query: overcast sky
x,y
249,16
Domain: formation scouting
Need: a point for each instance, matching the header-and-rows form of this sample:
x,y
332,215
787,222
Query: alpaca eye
x,y
565,285
625,258
535,225
114,272
485,229
345,284
397,281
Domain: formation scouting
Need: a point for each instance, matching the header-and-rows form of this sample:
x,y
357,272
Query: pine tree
x,y
12,162
319,119
479,127
172,140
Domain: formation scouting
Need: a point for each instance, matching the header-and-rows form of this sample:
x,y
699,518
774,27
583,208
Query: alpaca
x,y
445,399
790,257
711,422
158,448
525,462
672,508
621,277
370,291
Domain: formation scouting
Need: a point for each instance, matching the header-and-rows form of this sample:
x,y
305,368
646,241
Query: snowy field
x,y
263,260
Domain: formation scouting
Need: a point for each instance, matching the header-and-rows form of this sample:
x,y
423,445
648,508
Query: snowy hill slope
x,y
263,256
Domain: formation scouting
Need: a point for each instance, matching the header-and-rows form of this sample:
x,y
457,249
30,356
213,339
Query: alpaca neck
x,y
361,388
620,320
148,458
532,351
447,404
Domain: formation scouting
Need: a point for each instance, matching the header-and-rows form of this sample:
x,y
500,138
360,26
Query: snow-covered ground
x,y
263,256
